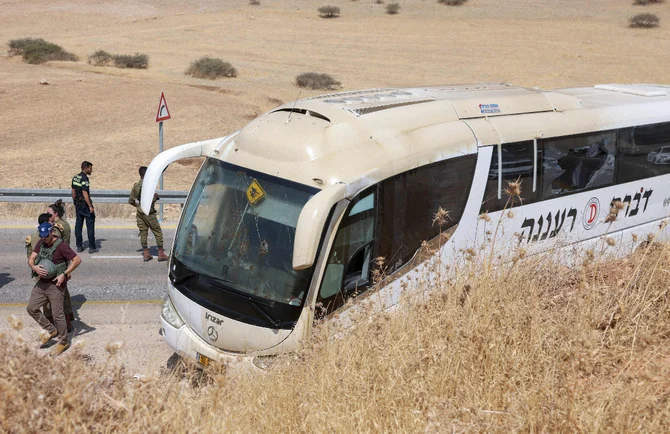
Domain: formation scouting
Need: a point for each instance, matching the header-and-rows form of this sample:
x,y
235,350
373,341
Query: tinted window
x,y
644,152
408,204
577,163
517,164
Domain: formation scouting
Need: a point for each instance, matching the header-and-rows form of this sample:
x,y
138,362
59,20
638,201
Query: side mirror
x,y
163,160
311,224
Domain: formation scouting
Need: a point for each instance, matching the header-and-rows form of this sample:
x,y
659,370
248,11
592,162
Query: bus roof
x,y
362,137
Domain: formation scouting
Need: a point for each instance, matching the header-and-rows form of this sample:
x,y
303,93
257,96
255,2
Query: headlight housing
x,y
169,314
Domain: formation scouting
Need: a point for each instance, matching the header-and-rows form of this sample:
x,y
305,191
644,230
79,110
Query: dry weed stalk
x,y
441,217
513,191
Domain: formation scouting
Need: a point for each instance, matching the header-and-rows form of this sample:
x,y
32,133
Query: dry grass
x,y
535,347
30,211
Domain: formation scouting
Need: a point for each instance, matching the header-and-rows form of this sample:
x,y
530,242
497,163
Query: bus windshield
x,y
238,229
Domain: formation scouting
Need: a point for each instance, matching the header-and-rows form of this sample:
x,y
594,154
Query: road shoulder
x,y
133,325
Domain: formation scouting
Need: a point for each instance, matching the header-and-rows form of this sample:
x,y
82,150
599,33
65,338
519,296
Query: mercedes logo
x,y
212,334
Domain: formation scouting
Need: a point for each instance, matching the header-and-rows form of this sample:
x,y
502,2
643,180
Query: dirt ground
x,y
130,326
107,115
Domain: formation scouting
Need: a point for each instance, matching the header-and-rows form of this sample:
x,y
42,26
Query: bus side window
x,y
643,152
409,202
577,163
517,164
348,267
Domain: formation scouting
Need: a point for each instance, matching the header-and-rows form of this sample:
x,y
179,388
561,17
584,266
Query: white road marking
x,y
115,257
19,304
101,226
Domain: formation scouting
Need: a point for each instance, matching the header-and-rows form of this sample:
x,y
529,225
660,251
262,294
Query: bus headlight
x,y
170,314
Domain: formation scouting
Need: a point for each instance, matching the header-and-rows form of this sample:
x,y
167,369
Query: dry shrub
x,y
532,346
329,11
37,51
315,80
647,2
135,61
103,58
392,8
644,21
452,2
100,58
207,67
194,162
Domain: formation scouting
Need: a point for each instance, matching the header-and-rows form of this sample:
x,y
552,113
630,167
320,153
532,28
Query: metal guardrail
x,y
29,195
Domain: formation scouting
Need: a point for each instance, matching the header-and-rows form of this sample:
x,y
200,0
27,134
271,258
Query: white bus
x,y
287,215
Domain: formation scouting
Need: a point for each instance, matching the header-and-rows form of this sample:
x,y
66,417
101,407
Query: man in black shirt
x,y
84,206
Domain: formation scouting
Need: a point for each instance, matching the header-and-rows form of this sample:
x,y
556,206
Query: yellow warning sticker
x,y
255,192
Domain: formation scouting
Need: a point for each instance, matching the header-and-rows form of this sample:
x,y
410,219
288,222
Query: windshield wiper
x,y
256,304
267,316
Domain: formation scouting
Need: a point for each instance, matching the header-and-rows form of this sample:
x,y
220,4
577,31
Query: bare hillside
x,y
106,115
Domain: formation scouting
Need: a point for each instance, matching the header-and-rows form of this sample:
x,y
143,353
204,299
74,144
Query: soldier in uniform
x,y
84,207
59,262
57,211
146,222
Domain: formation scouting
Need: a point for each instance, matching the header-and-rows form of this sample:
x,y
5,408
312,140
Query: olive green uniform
x,y
66,230
145,222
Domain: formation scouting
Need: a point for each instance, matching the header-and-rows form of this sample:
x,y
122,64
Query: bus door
x,y
347,271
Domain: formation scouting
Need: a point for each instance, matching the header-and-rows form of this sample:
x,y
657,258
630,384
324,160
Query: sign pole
x,y
160,184
163,114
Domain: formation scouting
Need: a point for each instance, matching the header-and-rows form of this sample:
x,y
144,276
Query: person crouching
x,y
52,261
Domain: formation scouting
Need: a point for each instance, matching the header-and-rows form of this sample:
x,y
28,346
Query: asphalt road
x,y
115,273
116,297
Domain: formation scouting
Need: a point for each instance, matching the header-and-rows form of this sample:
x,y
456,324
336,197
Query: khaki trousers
x,y
43,292
146,222
67,306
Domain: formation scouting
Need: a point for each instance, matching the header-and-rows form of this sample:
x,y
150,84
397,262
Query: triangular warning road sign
x,y
163,111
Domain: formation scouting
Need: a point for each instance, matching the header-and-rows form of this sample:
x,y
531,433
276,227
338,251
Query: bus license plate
x,y
203,360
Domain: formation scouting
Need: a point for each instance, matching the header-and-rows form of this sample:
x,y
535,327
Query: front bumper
x,y
188,345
